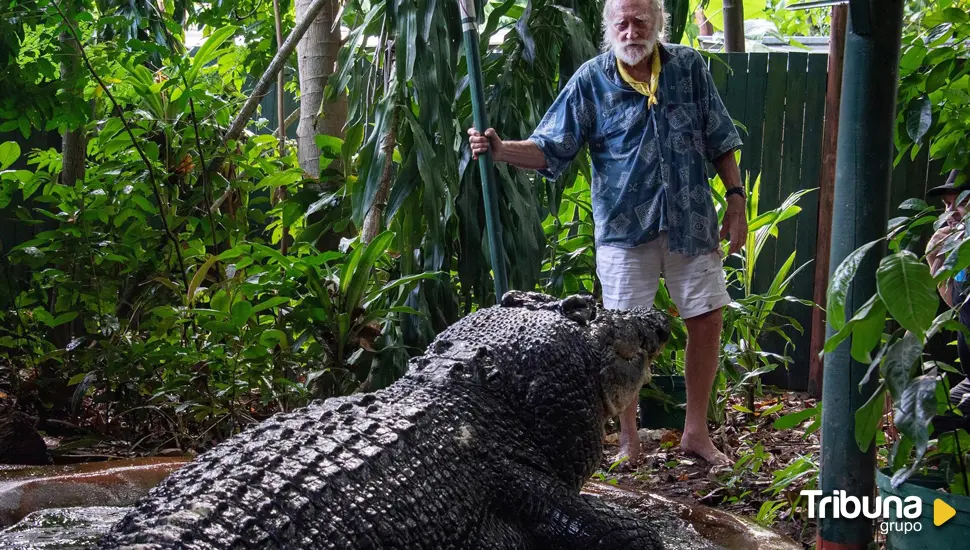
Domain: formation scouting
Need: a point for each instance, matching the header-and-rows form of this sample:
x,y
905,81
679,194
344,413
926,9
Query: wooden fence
x,y
779,98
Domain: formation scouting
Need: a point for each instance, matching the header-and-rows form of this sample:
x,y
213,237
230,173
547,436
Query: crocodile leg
x,y
581,522
555,518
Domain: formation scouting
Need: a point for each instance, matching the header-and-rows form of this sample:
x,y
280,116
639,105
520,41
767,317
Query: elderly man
x,y
651,116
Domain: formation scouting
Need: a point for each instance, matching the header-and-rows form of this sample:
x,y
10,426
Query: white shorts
x,y
631,276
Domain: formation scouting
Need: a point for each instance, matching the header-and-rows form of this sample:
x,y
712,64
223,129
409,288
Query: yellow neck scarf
x,y
648,89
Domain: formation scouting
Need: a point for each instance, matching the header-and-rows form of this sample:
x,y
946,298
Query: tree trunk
x,y
317,60
733,26
72,142
259,91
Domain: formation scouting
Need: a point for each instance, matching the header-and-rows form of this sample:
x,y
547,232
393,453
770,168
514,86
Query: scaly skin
x,y
484,444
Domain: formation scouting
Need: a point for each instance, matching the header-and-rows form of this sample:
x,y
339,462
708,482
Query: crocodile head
x,y
628,342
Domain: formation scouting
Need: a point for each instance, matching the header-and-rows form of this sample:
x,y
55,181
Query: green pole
x,y
862,180
493,224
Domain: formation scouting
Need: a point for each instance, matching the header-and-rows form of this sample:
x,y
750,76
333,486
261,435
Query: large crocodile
x,y
485,443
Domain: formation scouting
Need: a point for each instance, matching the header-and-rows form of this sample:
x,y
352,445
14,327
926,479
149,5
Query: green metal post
x,y
861,209
493,224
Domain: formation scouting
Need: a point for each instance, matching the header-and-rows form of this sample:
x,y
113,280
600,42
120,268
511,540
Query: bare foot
x,y
629,450
704,448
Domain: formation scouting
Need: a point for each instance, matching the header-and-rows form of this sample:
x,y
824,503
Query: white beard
x,y
633,56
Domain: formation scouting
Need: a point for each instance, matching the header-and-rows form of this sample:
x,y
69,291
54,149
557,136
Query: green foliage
x,y
427,112
798,22
907,296
752,316
934,91
261,319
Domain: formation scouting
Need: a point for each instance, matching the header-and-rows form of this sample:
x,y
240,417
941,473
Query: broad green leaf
x,y
198,278
77,378
901,450
279,179
372,157
64,318
360,276
938,76
789,421
493,18
7,188
906,287
956,260
867,330
209,51
220,300
272,302
833,341
9,153
272,337
919,117
839,285
913,414
956,15
912,59
241,311
867,419
913,204
399,282
897,365
221,327
31,185
329,144
846,330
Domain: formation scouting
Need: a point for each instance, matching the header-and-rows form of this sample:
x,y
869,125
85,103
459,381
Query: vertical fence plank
x,y
719,72
770,188
771,158
738,75
803,284
789,182
754,115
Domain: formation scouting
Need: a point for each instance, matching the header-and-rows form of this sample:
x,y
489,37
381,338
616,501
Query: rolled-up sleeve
x,y
563,130
720,134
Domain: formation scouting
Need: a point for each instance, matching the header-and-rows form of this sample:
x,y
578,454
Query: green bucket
x,y
954,534
656,412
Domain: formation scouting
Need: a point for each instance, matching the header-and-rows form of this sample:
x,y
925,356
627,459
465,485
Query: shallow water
x,y
61,528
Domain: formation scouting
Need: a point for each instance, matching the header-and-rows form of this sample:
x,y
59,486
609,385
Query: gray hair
x,y
659,17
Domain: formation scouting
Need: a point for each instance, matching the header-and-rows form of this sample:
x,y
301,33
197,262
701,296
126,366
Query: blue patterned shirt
x,y
648,164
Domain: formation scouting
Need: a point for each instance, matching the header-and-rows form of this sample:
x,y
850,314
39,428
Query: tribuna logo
x,y
839,505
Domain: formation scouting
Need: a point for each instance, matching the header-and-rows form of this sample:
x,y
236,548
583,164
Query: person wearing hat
x,y
955,290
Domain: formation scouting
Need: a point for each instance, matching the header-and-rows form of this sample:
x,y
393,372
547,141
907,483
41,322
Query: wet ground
x,y
61,528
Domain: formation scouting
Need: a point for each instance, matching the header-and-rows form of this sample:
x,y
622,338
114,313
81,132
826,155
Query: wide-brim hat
x,y
959,180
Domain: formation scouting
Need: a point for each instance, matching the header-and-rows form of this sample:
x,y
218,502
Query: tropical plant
x,y
934,100
409,106
907,296
752,315
173,300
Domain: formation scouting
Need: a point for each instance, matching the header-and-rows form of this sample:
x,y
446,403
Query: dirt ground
x,y
772,466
